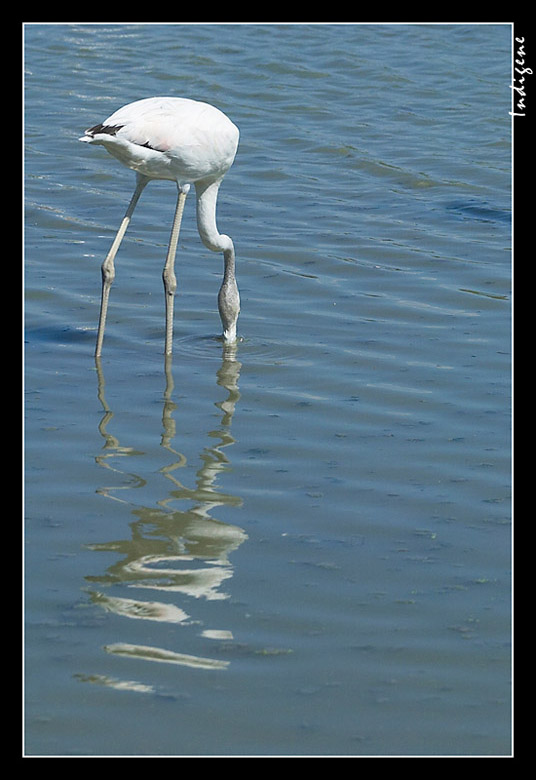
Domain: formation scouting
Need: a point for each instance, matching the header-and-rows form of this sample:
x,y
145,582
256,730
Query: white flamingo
x,y
185,141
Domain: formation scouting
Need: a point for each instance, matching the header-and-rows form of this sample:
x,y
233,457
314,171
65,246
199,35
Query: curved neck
x,y
207,195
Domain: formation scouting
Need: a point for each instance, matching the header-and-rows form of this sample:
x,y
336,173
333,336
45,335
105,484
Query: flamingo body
x,y
169,138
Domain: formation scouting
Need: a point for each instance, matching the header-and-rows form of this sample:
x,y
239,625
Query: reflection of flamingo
x,y
167,544
183,141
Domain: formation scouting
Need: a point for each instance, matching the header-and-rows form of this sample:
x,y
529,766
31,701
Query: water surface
x,y
300,546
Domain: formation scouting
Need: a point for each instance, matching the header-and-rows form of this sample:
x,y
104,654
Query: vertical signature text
x,y
518,86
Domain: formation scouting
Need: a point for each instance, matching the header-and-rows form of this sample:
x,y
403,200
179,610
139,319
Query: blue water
x,y
300,546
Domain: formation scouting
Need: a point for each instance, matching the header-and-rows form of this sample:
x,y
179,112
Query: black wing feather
x,y
110,129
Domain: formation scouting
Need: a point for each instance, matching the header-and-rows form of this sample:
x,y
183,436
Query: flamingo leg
x,y
168,274
108,268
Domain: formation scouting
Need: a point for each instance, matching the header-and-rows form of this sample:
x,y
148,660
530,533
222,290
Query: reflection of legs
x,y
168,274
169,431
108,268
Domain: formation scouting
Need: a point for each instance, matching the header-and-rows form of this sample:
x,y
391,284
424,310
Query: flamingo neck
x,y
207,195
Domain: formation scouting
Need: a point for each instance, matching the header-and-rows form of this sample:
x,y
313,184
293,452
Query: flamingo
x,y
188,142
